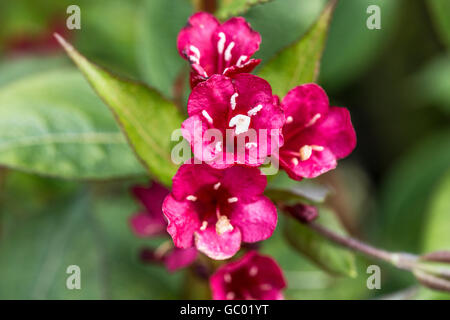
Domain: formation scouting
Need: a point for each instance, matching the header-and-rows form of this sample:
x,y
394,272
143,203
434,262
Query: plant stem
x,y
400,260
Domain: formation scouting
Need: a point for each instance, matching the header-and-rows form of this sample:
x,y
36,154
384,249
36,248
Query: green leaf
x,y
407,190
145,116
52,123
326,255
281,23
437,235
158,26
351,46
440,10
299,63
432,84
229,8
37,247
283,188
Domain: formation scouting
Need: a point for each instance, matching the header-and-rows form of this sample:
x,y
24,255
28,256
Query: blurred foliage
x,y
300,62
65,132
395,81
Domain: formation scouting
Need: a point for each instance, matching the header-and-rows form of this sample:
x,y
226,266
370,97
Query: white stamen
x,y
241,122
316,148
191,198
221,42
207,116
227,277
249,145
233,100
228,51
289,119
253,271
313,120
294,161
204,225
218,147
232,199
265,287
217,186
240,60
255,110
223,225
305,152
231,295
196,57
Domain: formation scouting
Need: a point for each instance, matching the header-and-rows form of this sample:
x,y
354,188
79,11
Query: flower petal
x,y
256,220
144,225
191,177
339,131
245,183
183,221
247,67
151,197
218,247
303,106
180,258
246,41
195,41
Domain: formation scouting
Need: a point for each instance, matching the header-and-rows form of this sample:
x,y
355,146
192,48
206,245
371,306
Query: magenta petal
x,y
245,183
144,225
238,31
256,220
180,258
218,247
151,197
247,67
192,177
212,96
304,105
341,136
317,164
183,221
194,41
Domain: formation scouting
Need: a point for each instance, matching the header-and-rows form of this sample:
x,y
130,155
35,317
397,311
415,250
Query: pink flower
x,y
254,276
173,259
219,208
233,121
214,48
150,222
315,134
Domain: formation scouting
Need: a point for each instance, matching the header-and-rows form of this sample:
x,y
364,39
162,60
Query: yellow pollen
x,y
223,225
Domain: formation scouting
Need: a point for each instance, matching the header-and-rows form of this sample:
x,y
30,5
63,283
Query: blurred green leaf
x,y
283,188
16,69
52,123
351,46
437,235
229,8
281,23
158,26
36,249
145,116
432,84
407,190
299,63
324,254
440,11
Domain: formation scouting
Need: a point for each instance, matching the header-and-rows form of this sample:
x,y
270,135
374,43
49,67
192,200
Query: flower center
x,y
241,122
223,225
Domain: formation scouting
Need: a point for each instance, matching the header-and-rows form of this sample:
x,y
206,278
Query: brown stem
x,y
400,260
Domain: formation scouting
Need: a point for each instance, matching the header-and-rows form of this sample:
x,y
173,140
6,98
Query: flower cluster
x,y
235,123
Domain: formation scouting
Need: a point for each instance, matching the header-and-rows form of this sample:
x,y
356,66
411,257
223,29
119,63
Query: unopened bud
x,y
302,212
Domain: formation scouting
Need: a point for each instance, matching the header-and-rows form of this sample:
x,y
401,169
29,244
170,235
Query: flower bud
x,y
302,212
